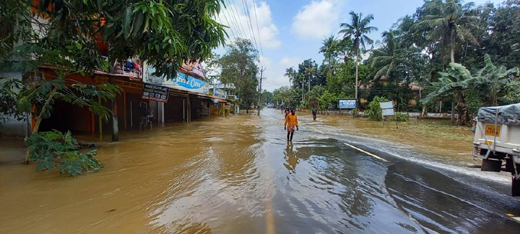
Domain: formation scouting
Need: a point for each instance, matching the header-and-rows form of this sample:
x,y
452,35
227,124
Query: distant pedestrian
x,y
314,113
143,115
287,111
291,121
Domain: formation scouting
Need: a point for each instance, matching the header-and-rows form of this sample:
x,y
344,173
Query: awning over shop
x,y
211,98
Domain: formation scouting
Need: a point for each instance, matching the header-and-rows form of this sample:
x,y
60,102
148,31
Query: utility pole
x,y
260,90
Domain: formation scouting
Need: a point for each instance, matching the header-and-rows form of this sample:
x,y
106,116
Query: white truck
x,y
497,141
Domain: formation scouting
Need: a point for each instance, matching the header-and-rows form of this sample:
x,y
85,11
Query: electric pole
x,y
260,90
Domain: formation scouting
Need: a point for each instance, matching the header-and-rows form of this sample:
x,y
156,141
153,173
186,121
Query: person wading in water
x,y
291,121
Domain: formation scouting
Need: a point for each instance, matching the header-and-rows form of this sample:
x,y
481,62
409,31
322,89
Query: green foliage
x,y
446,22
328,99
57,150
267,97
164,33
418,50
374,109
357,30
239,68
287,97
454,79
401,117
491,80
9,88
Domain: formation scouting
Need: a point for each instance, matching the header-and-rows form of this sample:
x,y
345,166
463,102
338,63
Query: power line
x,y
258,30
246,10
235,15
232,18
230,23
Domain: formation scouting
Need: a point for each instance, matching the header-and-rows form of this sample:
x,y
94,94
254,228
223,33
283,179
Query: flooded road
x,y
239,175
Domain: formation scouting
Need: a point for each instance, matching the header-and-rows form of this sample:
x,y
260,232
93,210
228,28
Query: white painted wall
x,y
13,127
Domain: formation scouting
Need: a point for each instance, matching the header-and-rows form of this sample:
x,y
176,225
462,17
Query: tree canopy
x,y
239,67
414,64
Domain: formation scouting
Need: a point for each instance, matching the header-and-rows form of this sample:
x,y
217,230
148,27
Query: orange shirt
x,y
291,120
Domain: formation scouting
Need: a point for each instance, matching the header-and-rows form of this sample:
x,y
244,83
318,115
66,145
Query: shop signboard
x,y
181,81
217,92
188,82
155,92
347,104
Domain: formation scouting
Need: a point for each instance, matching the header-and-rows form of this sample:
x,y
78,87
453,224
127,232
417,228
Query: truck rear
x,y
497,141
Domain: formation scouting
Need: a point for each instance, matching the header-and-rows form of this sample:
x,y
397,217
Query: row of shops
x,y
183,98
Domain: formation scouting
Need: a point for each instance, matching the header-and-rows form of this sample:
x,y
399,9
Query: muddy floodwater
x,y
238,174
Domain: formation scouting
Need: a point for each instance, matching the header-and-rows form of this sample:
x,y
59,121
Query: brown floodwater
x,y
238,174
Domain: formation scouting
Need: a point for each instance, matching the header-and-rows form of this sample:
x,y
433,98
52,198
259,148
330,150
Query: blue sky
x,y
291,31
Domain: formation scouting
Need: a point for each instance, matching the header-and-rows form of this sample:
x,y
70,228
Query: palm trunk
x,y
357,85
309,88
452,49
303,89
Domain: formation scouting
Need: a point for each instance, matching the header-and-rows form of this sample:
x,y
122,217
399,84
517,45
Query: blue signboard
x,y
188,82
347,104
219,93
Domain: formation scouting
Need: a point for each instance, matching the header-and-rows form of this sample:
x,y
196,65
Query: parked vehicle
x,y
497,141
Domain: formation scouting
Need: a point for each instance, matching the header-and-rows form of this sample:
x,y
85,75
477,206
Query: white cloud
x,y
265,61
274,73
290,61
243,22
317,19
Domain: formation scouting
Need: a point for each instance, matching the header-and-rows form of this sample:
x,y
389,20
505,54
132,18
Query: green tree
x,y
310,73
504,46
330,49
374,111
455,80
267,97
388,57
449,23
357,30
239,68
291,74
491,81
328,100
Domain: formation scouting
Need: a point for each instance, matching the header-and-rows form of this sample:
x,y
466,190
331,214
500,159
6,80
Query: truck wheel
x,y
515,187
491,165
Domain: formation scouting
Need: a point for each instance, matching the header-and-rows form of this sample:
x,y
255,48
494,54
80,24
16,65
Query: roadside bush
x,y
328,99
374,110
400,117
57,150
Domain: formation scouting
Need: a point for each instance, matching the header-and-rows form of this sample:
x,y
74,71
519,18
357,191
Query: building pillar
x,y
100,121
160,112
115,123
124,110
188,109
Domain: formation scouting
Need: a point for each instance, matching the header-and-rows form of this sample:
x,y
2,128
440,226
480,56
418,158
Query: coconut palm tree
x,y
309,73
449,24
329,48
357,30
291,74
386,58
